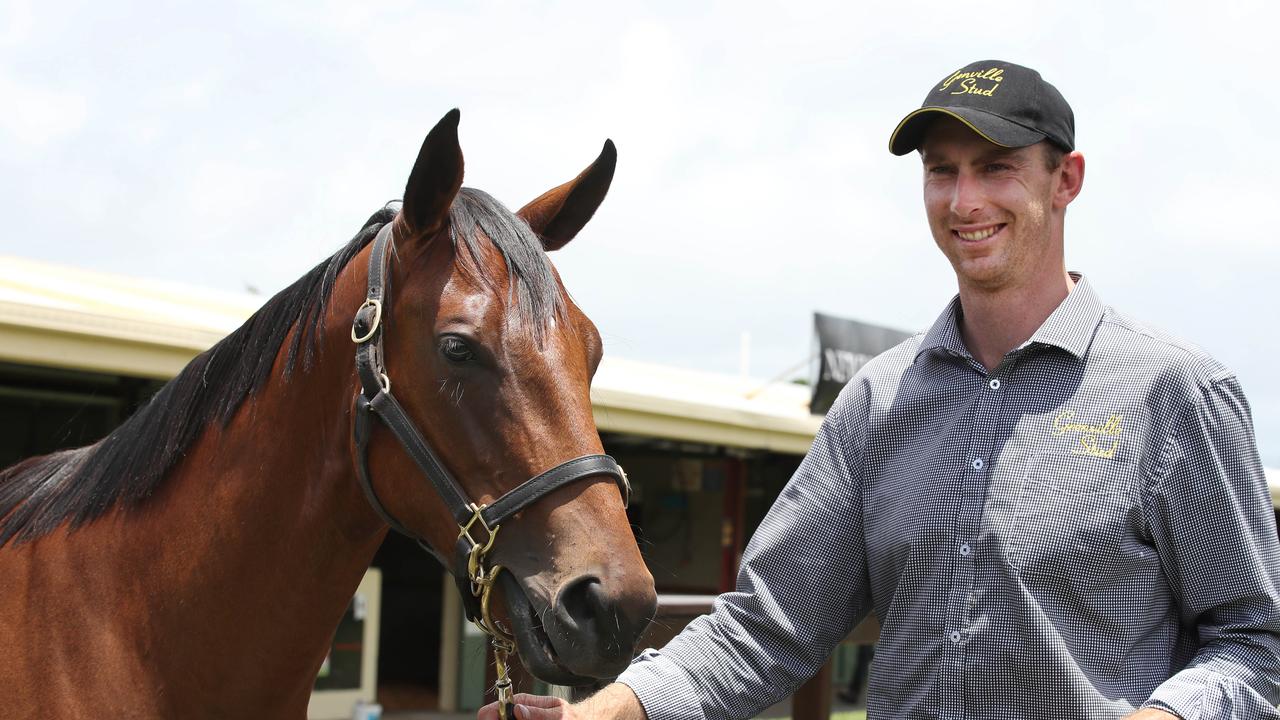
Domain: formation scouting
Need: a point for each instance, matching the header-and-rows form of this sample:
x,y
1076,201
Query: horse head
x,y
492,361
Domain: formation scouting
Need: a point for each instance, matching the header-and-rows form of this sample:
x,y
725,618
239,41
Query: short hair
x,y
1053,155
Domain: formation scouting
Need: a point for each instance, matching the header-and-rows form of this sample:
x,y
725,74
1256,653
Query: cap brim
x,y
993,128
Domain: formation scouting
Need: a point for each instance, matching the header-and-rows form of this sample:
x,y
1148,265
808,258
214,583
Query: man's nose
x,y
966,196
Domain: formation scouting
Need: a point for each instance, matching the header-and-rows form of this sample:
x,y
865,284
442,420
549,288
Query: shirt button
x,y
955,636
977,463
994,384
965,549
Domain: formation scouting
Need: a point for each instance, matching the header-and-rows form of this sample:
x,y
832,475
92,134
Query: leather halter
x,y
375,397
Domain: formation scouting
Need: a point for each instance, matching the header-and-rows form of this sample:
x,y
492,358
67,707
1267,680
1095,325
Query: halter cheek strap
x,y
474,578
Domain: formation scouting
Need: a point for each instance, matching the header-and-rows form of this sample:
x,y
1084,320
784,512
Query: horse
x,y
195,562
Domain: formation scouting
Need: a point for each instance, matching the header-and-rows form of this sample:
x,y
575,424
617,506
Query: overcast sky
x,y
235,145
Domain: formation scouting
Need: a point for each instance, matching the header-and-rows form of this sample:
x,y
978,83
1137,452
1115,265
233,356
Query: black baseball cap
x,y
1009,105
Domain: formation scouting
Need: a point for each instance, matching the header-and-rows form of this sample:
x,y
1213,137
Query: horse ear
x,y
558,214
436,177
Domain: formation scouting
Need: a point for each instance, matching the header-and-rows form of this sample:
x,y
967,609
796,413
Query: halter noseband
x,y
475,580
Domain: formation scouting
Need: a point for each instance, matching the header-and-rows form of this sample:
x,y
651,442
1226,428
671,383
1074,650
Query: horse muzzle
x,y
585,634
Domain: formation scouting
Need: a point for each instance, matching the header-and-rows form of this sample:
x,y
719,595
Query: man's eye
x,y
997,167
456,350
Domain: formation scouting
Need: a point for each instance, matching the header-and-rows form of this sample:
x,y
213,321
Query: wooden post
x,y
732,519
813,700
450,643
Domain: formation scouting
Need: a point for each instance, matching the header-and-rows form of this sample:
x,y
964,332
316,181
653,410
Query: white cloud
x,y
35,116
15,23
1213,213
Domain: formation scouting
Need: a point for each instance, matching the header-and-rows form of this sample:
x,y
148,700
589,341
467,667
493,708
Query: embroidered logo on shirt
x,y
1094,440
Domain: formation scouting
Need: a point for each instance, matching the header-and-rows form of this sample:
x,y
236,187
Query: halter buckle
x,y
475,555
373,326
626,489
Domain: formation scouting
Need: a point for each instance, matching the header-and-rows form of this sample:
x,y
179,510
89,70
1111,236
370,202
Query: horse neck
x,y
261,534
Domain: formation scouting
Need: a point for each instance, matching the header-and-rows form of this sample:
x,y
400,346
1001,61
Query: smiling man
x,y
1054,510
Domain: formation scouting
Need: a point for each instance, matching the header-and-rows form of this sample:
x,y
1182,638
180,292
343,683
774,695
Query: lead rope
x,y
482,582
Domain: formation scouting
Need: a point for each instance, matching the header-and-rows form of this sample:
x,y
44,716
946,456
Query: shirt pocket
x,y
1070,522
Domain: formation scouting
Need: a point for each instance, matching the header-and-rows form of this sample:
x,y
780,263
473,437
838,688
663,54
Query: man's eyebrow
x,y
1002,153
934,158
996,153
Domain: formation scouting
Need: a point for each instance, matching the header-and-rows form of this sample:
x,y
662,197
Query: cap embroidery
x,y
977,82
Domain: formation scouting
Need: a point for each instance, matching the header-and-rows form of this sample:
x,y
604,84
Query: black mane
x,y
80,485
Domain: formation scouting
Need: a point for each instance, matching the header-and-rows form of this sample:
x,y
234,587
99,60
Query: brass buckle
x,y
477,552
501,638
373,328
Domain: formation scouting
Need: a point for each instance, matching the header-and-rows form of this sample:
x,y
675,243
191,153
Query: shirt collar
x,y
945,333
1070,326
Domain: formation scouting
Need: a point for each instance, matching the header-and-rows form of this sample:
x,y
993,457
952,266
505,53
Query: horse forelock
x,y
477,218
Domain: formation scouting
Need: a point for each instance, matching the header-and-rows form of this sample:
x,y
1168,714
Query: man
x,y
1054,510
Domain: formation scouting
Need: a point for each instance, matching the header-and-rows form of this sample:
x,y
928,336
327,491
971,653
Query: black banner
x,y
844,346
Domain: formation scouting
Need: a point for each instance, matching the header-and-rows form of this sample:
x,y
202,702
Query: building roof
x,y
51,315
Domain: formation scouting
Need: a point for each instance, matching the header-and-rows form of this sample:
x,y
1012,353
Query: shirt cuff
x,y
1200,694
662,686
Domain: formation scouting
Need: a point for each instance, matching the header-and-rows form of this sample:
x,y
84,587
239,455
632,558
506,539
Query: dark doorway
x,y
47,409
409,639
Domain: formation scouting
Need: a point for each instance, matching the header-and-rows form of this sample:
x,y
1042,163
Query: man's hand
x,y
614,702
1150,714
531,707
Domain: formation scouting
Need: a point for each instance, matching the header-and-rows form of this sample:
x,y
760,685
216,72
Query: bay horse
x,y
195,562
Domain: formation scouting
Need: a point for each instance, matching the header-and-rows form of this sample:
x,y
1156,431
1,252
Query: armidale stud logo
x,y
1093,440
976,82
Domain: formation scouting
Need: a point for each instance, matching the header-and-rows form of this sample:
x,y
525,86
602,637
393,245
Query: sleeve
x,y
1213,524
802,585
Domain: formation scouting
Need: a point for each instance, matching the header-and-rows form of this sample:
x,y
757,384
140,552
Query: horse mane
x,y
126,467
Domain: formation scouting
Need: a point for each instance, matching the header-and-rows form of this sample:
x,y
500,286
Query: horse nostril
x,y
581,602
594,624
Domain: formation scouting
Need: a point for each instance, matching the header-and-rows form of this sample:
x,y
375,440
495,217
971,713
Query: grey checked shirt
x,y
1080,532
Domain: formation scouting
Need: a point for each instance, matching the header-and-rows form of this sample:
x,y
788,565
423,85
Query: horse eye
x,y
456,350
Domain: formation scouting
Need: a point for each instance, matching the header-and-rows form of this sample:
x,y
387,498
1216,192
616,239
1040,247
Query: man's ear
x,y
1071,179
436,177
558,214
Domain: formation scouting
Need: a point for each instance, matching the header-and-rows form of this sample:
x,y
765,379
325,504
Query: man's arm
x,y
1213,525
802,585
